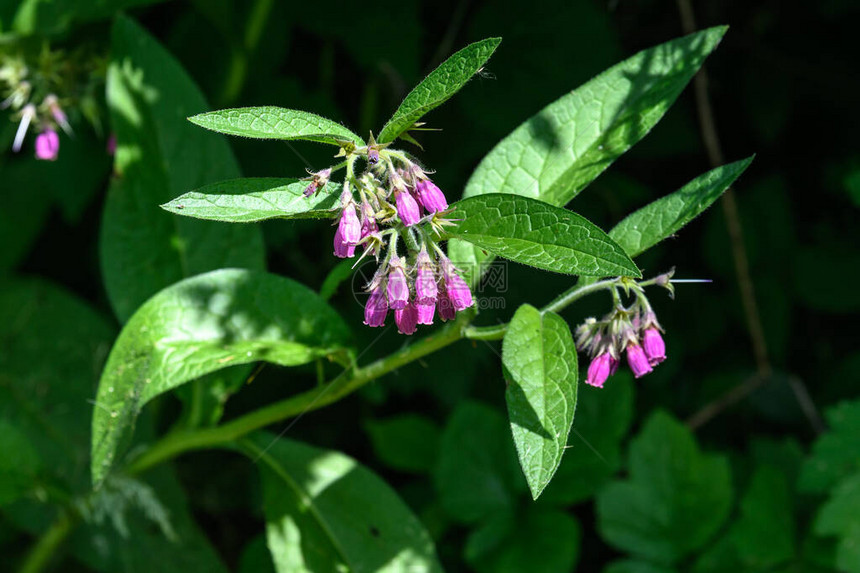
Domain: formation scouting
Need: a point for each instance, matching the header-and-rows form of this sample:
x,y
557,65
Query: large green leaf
x,y
406,442
539,357
326,512
19,464
535,233
659,220
436,88
537,540
269,122
200,325
250,200
477,473
565,146
675,500
840,517
52,347
593,455
159,156
764,534
834,455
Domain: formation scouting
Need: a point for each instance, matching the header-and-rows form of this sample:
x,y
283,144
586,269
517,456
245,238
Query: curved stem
x,y
41,553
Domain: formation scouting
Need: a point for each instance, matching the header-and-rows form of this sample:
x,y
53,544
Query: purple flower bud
x,y
613,365
407,208
110,146
372,154
376,307
655,348
425,312
342,249
398,288
47,145
456,288
406,319
368,220
430,196
637,360
445,307
599,370
425,279
349,225
318,180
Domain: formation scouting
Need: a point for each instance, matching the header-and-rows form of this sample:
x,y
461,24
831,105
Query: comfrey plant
x,y
431,252
41,88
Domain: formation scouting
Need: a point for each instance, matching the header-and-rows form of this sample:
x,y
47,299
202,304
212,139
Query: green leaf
x,y
477,473
436,88
159,156
675,500
52,347
535,233
834,455
661,219
565,146
200,325
593,455
630,566
840,516
407,442
764,533
251,200
326,512
539,357
55,16
19,464
269,122
537,540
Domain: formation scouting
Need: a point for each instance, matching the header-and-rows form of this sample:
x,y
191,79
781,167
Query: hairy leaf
x,y
326,512
200,325
269,122
535,233
159,156
539,357
250,200
659,220
565,146
436,88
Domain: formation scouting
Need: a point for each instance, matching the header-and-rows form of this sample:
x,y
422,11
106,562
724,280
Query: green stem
x,y
346,383
41,553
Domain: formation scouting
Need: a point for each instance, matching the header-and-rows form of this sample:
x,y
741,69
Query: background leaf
x,y
159,155
436,88
55,16
539,357
269,122
539,234
675,500
406,442
200,325
662,218
250,200
565,146
325,512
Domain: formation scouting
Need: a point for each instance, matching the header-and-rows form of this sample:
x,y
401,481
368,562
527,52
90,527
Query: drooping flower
x,y
430,196
425,279
407,208
348,229
368,220
637,360
47,145
445,307
342,249
398,287
655,348
376,308
406,319
599,370
456,288
425,311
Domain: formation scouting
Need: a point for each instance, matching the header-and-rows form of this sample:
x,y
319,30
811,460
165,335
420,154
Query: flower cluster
x,y
394,202
632,331
30,91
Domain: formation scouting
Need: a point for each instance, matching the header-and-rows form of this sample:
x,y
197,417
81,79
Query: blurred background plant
x,y
741,452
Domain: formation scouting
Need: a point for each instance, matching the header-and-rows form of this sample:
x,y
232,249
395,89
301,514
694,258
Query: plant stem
x,y
41,553
344,384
